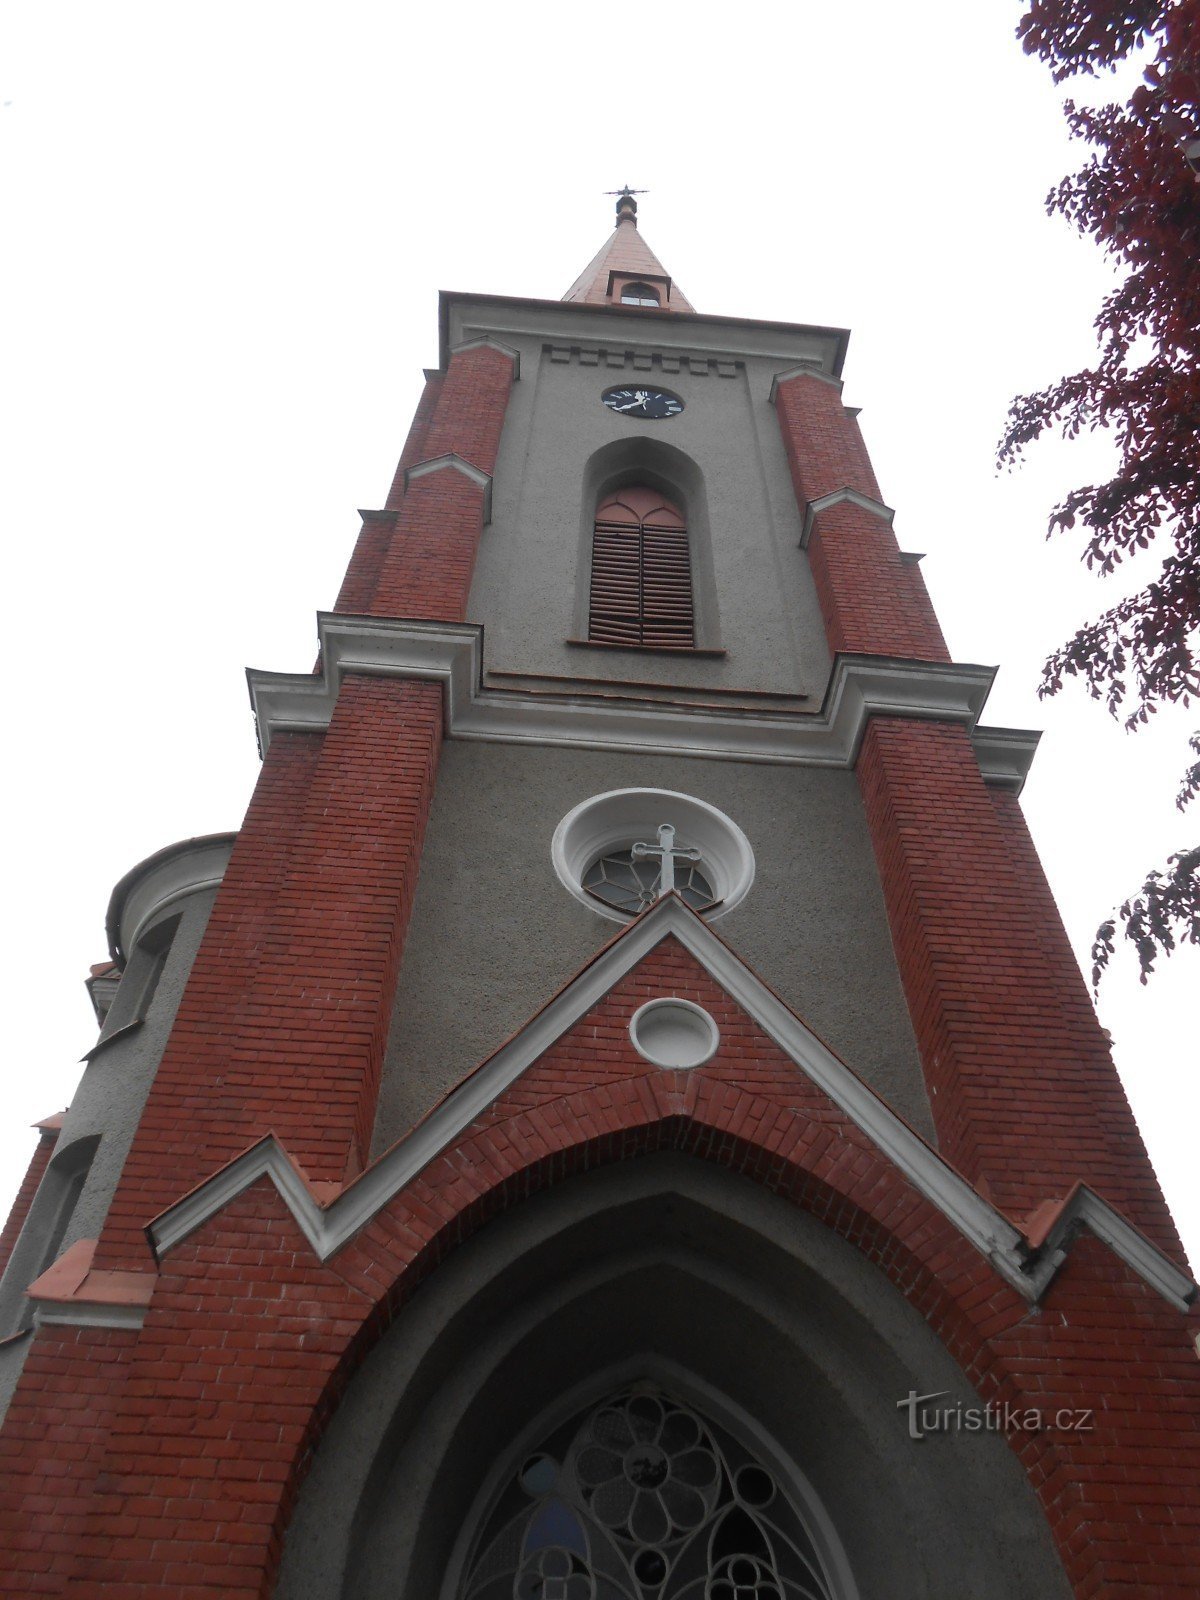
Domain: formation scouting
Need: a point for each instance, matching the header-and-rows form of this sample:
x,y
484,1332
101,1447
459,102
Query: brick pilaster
x,y
426,568
284,1020
379,527
872,601
1022,1087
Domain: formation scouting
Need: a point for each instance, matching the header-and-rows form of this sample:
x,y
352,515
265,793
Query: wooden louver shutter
x,y
641,572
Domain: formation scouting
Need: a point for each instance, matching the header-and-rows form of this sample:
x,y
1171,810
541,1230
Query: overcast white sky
x,y
224,227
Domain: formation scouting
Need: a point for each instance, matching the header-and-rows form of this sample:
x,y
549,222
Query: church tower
x,y
622,1117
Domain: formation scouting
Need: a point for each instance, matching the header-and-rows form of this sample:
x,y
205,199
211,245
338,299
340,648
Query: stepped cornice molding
x,y
837,497
1027,1265
452,653
480,478
484,342
803,346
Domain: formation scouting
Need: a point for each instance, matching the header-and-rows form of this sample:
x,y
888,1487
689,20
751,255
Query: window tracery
x,y
642,1498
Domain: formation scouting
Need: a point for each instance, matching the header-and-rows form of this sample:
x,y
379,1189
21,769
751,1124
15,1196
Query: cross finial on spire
x,y
626,204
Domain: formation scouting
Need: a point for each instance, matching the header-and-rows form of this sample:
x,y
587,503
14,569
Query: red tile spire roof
x,y
623,260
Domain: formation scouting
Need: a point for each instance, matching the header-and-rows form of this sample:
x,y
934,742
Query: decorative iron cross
x,y
667,854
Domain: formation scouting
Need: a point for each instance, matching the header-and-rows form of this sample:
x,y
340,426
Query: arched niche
x,y
674,1271
41,1238
661,466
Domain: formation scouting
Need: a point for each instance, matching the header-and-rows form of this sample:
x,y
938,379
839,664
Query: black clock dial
x,y
652,403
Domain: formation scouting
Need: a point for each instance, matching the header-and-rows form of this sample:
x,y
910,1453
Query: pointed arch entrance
x,y
666,1271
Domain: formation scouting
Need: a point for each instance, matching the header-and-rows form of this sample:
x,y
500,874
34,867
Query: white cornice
x,y
451,653
164,879
328,1229
837,497
481,480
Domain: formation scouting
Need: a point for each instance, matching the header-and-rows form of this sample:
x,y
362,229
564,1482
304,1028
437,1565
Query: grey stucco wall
x,y
107,1105
755,595
669,1269
494,934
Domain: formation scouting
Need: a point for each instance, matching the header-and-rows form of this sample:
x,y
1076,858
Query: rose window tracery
x,y
642,1498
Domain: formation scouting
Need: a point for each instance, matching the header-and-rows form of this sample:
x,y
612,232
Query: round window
x,y
619,852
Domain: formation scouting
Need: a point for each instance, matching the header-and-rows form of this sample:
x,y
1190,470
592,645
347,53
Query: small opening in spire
x,y
639,294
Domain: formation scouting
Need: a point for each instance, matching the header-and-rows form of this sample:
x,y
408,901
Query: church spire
x,y
625,271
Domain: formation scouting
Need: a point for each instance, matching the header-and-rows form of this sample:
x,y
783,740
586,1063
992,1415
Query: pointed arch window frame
x,y
686,1389
642,459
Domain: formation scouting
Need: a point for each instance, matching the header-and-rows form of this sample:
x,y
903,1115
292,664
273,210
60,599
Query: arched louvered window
x,y
639,294
641,572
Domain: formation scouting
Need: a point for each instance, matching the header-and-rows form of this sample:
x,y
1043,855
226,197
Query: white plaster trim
x,y
87,1314
615,819
1005,754
802,371
482,480
706,1025
149,889
837,497
1085,1208
975,1218
327,1230
451,653
492,344
265,1159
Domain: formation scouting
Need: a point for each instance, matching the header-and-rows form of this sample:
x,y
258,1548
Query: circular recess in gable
x,y
674,1033
605,828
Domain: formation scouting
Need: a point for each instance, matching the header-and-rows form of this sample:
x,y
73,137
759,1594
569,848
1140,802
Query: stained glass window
x,y
642,1498
631,886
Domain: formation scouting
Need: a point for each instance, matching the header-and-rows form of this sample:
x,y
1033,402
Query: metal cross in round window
x,y
630,880
654,404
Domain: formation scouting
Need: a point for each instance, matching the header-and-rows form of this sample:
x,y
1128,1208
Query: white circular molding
x,y
674,1033
615,820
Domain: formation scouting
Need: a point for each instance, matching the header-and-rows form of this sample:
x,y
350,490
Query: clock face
x,y
652,403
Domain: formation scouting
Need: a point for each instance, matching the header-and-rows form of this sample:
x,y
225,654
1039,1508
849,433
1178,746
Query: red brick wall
x,y
414,446
203,1442
59,1428
379,527
872,602
426,570
38,1163
1022,1087
284,1020
418,561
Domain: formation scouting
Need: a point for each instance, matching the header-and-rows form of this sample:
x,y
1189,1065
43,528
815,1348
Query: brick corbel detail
x,y
872,601
284,1020
1021,1084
